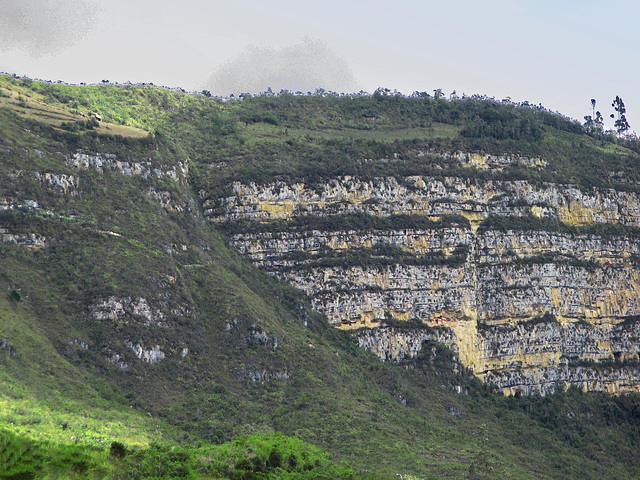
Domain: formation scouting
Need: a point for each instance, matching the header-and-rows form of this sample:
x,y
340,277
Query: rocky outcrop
x,y
118,361
30,240
596,294
169,201
63,183
148,355
504,275
144,169
272,249
10,203
610,378
7,347
261,375
397,344
477,262
427,196
359,296
120,310
533,357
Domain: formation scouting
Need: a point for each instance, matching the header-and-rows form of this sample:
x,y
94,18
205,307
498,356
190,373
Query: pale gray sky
x,y
559,53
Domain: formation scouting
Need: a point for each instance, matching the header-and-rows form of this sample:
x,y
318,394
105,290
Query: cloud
x,y
44,26
301,67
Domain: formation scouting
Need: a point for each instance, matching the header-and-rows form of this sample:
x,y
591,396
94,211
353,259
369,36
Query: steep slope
x,y
529,274
486,271
123,295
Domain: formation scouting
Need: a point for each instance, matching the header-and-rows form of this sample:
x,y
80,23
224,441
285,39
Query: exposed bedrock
x,y
534,286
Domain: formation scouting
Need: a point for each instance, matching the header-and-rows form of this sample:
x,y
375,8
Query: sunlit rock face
x,y
528,283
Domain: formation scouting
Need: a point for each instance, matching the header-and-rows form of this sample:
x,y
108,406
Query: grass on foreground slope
x,y
266,457
45,397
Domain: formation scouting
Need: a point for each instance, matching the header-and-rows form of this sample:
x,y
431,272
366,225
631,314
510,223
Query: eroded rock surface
x,y
527,283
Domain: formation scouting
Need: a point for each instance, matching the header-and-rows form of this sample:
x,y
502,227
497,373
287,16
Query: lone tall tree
x,y
621,123
594,122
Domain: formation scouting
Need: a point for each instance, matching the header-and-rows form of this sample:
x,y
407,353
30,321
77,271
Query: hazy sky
x,y
559,53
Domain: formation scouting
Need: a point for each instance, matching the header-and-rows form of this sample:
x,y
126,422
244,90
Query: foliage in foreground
x,y
249,457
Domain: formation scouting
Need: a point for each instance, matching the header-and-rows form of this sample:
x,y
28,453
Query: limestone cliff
x,y
535,286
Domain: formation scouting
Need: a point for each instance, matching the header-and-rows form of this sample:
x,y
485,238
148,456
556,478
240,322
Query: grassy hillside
x,y
110,263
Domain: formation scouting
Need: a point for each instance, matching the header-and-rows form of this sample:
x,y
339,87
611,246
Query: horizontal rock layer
x,y
427,196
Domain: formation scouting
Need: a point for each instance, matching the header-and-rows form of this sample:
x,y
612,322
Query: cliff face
x,y
535,286
428,196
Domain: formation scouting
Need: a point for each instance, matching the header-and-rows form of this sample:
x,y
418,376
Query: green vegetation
x,y
255,456
506,223
317,137
80,125
244,354
560,260
356,221
621,123
379,257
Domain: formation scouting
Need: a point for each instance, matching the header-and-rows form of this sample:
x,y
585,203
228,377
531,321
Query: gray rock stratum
x,y
527,283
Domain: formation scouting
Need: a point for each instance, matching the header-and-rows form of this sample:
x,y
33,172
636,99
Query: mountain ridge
x,y
131,289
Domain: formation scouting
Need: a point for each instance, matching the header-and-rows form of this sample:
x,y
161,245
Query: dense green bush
x,y
118,450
